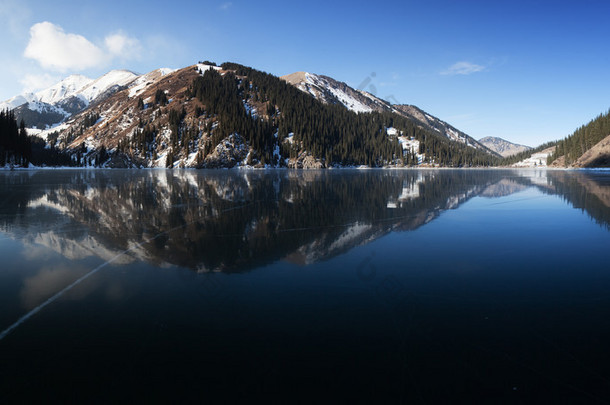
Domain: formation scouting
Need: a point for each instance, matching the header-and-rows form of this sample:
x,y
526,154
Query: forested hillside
x,y
208,116
15,147
18,149
510,160
332,133
583,139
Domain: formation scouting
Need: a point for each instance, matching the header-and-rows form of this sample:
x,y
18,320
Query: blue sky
x,y
526,71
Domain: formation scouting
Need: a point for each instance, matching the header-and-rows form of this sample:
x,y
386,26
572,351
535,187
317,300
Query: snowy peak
x,y
79,86
83,87
63,90
111,79
16,101
73,94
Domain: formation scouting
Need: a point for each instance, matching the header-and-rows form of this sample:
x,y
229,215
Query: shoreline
x,y
427,168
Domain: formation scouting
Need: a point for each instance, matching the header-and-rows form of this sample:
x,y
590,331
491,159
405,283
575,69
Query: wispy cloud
x,y
463,68
33,82
57,50
122,46
14,14
225,6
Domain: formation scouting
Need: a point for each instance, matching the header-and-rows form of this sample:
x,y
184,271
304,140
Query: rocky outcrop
x,y
305,161
228,153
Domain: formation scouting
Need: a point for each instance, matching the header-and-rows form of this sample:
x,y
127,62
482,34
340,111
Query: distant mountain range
x,y
231,115
502,146
70,96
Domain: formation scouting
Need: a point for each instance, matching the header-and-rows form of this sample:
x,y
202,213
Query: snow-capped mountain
x,y
73,94
17,101
208,116
63,90
112,114
331,91
502,146
111,80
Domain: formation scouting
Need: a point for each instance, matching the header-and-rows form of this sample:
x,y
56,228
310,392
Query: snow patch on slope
x,y
346,99
350,102
203,68
536,159
139,85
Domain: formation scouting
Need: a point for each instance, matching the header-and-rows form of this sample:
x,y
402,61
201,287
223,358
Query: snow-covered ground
x,y
139,85
350,102
44,134
203,68
536,160
409,145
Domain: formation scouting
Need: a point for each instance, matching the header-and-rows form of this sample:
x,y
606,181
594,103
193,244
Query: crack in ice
x,y
58,295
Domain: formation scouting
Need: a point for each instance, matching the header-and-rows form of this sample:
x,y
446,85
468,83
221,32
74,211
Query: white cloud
x,y
122,46
57,50
31,82
463,68
54,49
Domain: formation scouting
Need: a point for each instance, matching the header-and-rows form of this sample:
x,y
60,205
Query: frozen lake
x,y
397,286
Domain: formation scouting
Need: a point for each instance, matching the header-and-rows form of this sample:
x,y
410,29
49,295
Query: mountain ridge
x,y
54,104
205,115
502,146
332,91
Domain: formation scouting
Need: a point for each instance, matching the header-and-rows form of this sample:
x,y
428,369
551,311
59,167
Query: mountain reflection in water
x,y
339,286
233,221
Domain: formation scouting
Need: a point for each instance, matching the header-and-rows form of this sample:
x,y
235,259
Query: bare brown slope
x,y
597,156
120,114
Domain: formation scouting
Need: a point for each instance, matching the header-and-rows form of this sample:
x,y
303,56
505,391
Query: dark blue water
x,y
334,286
